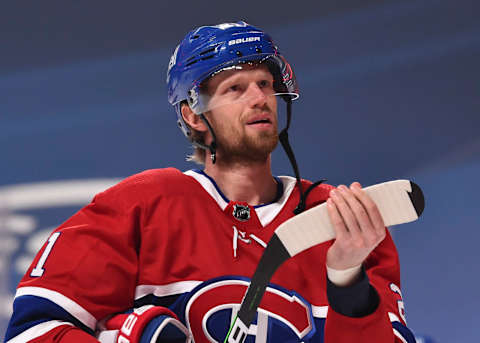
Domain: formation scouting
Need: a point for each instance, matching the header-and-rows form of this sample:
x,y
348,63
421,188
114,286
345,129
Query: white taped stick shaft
x,y
313,226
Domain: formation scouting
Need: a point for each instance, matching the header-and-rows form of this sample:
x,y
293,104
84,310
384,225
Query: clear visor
x,y
245,84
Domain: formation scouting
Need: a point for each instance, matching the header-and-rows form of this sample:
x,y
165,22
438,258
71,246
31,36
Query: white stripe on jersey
x,y
166,290
268,213
209,187
37,331
319,311
66,303
265,213
394,318
399,335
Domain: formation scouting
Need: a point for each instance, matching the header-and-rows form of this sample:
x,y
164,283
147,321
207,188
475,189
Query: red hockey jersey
x,y
172,239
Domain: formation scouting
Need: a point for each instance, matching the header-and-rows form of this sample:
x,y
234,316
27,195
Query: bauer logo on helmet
x,y
244,40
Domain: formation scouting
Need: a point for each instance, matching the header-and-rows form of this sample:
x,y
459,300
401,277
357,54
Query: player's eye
x,y
234,88
265,84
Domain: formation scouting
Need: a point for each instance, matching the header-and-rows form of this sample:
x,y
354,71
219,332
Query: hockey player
x,y
166,256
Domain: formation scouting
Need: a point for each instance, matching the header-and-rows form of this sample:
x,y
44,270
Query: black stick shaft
x,y
273,256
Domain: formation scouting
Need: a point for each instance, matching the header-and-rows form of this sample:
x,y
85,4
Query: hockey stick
x,y
399,202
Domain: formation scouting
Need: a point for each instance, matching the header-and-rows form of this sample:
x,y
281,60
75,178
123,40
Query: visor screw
x,y
239,54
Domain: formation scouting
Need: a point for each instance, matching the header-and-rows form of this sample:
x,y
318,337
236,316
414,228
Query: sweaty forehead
x,y
237,72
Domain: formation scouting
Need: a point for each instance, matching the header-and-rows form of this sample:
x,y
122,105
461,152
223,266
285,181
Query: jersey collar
x,y
265,212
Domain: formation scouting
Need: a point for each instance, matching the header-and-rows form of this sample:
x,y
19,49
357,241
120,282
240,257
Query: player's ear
x,y
192,119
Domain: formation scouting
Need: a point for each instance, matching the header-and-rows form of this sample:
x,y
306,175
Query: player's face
x,y
243,113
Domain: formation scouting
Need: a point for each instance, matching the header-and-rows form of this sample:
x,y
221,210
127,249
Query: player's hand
x,y
358,226
146,324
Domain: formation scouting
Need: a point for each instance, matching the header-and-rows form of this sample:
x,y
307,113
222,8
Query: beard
x,y
240,147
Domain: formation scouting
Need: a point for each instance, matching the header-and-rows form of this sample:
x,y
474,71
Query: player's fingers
x,y
370,207
338,196
360,213
371,235
337,220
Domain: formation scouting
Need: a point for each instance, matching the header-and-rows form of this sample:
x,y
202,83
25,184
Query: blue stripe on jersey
x,y
151,299
320,330
278,195
30,310
198,171
404,331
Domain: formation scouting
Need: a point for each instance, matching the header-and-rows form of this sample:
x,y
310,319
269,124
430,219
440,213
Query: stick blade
x,y
417,198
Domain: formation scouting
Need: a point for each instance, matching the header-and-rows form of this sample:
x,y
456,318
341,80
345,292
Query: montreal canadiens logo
x,y
281,316
241,212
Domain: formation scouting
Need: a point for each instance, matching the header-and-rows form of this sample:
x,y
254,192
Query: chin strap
x,y
213,146
283,137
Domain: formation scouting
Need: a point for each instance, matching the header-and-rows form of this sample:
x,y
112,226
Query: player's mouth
x,y
260,121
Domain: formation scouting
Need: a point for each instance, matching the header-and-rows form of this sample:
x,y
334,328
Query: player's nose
x,y
256,95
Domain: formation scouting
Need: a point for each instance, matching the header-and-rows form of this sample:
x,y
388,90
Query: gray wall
x,y
389,89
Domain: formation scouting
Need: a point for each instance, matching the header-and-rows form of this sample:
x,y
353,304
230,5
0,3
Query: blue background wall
x,y
389,89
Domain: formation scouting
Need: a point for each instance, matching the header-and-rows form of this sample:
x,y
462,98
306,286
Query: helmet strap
x,y
213,146
283,137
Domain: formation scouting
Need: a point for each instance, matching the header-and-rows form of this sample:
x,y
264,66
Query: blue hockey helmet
x,y
208,50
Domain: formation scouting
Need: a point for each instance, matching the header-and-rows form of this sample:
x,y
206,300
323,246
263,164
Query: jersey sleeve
x,y
387,323
85,271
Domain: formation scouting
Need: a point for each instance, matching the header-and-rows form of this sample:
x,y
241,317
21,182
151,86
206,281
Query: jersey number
x,y
401,306
38,270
